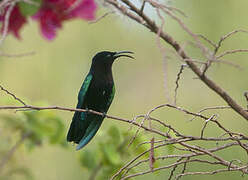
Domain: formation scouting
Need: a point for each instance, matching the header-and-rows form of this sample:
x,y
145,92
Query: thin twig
x,y
174,168
11,94
177,83
210,172
95,172
225,37
17,55
101,17
231,52
205,124
6,21
135,14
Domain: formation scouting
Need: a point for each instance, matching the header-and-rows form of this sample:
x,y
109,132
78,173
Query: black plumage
x,y
96,93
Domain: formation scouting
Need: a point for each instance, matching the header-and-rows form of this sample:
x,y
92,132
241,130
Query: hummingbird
x,y
96,93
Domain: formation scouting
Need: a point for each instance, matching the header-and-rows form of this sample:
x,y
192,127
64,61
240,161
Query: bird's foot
x,y
104,114
87,110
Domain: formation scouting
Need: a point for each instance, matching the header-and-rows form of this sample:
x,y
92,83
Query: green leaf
x,y
44,126
14,123
138,148
37,126
57,134
115,135
170,148
110,154
88,159
28,9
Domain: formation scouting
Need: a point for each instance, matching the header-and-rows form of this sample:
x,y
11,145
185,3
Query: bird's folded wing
x,y
76,126
83,90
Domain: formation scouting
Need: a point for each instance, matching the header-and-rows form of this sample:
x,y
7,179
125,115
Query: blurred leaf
x,y
88,159
138,148
8,100
114,134
43,125
37,126
170,149
46,124
110,154
107,172
29,9
13,122
57,126
19,171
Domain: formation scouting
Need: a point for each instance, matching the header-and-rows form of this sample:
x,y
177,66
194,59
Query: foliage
x,y
33,129
42,126
111,153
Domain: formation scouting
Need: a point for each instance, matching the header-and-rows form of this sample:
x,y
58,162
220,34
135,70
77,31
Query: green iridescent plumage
x,y
84,89
96,93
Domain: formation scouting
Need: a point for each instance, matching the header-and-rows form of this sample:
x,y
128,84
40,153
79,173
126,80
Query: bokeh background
x,y
55,73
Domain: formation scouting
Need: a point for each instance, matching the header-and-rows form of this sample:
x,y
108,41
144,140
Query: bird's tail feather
x,y
76,129
71,132
90,132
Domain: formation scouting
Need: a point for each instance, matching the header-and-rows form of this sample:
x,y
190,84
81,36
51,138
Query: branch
x,y
135,14
6,19
177,82
11,94
39,108
210,172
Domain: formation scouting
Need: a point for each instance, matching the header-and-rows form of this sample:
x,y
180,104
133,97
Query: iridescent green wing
x,y
96,121
84,90
77,125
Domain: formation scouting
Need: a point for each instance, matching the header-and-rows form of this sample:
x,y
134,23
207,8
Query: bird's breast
x,y
98,95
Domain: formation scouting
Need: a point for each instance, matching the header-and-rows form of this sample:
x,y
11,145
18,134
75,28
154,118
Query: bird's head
x,y
106,58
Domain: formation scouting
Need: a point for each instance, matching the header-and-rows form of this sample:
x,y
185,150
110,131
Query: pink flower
x,y
53,12
85,10
16,21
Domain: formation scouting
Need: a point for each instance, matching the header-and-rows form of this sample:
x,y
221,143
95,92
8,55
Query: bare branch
x,y
11,94
231,52
207,40
174,168
6,20
225,37
101,17
151,155
17,55
205,124
177,83
134,13
210,172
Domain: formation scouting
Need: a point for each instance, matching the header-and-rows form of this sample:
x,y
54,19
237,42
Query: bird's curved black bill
x,y
123,54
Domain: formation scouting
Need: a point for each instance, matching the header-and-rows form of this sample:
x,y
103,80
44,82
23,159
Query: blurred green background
x,y
55,73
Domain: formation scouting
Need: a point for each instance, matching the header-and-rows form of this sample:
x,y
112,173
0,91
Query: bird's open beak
x,y
123,54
